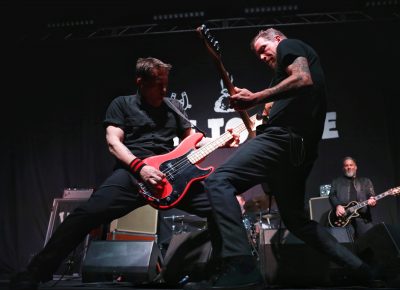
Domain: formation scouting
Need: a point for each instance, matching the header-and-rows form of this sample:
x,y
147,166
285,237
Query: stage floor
x,y
76,284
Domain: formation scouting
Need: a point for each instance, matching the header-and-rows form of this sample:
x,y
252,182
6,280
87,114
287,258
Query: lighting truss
x,y
71,33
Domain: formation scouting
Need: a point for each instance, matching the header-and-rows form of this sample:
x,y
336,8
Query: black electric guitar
x,y
353,207
214,50
181,169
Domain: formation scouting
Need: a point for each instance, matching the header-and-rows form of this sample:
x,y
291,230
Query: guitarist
x,y
350,187
137,126
281,155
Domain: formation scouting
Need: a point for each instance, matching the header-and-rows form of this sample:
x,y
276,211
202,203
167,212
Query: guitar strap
x,y
175,109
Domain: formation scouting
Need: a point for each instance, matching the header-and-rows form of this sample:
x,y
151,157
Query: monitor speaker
x,y
287,260
188,257
126,261
381,246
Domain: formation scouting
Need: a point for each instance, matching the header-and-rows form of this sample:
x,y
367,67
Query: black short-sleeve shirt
x,y
148,131
302,110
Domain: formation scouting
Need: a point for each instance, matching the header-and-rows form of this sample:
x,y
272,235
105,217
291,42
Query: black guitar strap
x,y
175,109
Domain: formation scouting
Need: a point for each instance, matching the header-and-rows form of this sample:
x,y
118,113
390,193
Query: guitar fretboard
x,y
365,202
202,152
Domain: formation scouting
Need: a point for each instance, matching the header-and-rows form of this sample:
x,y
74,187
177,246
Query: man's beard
x,y
350,173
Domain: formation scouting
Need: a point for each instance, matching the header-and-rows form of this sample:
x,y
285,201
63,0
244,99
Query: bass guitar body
x,y
179,172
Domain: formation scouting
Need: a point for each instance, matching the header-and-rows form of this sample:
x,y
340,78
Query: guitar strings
x,y
185,163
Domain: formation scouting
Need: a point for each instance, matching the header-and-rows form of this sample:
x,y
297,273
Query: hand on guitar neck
x,y
214,50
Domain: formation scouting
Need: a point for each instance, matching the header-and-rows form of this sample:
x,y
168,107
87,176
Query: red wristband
x,y
136,165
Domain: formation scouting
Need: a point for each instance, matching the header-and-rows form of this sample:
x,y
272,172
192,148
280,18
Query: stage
x,y
76,284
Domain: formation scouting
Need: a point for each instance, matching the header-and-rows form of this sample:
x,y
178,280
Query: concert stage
x,y
76,284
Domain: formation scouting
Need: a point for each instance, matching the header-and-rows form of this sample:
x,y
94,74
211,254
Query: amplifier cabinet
x,y
141,220
319,209
61,209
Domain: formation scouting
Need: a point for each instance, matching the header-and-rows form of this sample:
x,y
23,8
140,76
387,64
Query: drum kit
x,y
260,215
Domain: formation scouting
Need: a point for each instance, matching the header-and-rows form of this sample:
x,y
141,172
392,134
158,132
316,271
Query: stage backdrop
x,y
52,117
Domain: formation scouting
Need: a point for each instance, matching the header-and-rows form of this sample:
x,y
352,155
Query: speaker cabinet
x,y
319,209
286,260
62,207
381,246
188,255
141,220
126,261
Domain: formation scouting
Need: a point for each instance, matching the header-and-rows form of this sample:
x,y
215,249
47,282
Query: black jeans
x,y
116,197
277,157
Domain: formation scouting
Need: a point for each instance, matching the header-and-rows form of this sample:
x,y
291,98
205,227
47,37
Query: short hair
x,y
145,67
268,34
349,158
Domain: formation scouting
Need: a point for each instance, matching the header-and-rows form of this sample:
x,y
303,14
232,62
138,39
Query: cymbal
x,y
270,216
192,220
257,204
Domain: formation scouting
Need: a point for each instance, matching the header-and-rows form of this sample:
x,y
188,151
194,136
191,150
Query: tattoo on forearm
x,y
300,74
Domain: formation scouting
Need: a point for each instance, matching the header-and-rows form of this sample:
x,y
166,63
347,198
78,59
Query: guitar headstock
x,y
210,41
394,191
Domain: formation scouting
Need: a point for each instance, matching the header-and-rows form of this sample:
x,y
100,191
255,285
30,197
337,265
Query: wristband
x,y
136,165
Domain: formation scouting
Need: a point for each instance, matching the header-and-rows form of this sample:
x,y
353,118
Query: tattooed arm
x,y
298,76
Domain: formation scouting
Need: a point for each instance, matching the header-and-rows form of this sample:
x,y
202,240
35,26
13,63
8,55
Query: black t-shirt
x,y
303,110
148,131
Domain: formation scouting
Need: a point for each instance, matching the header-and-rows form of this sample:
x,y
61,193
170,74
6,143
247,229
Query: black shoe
x,y
24,281
239,273
370,276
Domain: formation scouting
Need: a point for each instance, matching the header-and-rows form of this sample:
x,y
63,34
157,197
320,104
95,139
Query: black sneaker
x,y
369,276
239,273
24,281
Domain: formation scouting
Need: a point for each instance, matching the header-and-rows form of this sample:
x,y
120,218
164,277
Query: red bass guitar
x,y
181,169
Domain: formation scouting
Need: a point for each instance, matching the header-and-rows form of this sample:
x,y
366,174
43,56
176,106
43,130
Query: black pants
x,y
276,157
116,197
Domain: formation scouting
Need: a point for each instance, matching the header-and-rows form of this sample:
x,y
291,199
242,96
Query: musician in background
x,y
137,126
350,187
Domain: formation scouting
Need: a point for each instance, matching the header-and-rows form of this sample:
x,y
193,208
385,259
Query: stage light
x,y
179,15
271,8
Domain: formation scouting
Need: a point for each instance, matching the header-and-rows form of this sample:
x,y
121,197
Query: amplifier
x,y
77,193
319,209
141,220
130,236
60,210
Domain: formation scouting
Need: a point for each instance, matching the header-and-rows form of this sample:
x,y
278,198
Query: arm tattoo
x,y
299,74
300,66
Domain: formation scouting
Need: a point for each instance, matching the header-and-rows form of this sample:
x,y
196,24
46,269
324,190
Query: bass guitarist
x,y
350,187
137,126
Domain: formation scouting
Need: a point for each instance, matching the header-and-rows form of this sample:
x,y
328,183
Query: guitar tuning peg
x,y
216,45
